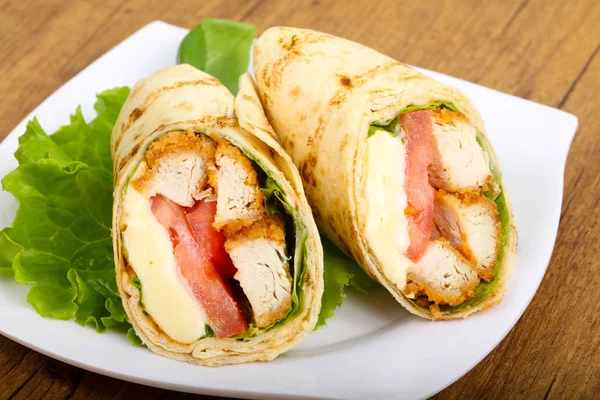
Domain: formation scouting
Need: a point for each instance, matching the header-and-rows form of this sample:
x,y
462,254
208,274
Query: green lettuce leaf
x,y
137,283
272,195
8,252
340,272
373,129
60,241
133,338
497,177
431,106
220,48
392,128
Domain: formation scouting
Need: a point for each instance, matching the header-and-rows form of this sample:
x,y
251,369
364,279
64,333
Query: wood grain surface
x,y
545,51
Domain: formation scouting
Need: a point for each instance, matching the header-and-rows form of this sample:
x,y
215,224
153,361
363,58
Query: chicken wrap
x,y
397,167
217,255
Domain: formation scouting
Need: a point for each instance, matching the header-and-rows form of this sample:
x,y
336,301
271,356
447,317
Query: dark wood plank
x,y
546,51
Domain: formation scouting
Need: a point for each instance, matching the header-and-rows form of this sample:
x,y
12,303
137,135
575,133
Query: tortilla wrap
x,y
182,98
322,95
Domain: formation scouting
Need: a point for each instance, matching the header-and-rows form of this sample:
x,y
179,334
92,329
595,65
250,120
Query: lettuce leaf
x,y
431,106
272,196
60,240
340,272
393,128
133,338
220,48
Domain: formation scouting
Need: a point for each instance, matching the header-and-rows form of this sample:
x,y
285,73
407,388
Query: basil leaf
x,y
220,48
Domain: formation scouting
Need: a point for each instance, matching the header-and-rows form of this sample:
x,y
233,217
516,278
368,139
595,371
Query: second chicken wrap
x,y
397,166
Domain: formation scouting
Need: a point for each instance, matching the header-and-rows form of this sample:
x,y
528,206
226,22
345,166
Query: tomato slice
x,y
213,292
200,219
420,152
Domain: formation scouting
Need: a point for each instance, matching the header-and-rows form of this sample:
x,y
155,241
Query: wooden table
x,y
545,51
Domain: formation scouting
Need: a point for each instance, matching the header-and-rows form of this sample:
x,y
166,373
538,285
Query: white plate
x,y
372,348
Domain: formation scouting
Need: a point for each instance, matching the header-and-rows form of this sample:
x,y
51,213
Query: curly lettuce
x,y
59,242
340,273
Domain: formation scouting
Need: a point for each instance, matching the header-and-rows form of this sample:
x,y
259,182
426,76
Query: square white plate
x,y
372,348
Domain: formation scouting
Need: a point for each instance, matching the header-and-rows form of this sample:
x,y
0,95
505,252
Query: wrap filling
x,y
436,210
208,257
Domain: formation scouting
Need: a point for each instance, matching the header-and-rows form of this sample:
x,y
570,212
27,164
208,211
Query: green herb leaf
x,y
220,48
134,339
340,272
192,49
431,106
392,128
272,196
373,129
60,238
209,331
8,251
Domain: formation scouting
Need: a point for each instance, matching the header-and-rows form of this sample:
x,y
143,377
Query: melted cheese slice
x,y
387,227
166,295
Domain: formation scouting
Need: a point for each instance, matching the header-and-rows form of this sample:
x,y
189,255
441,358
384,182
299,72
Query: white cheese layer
x,y
387,227
166,295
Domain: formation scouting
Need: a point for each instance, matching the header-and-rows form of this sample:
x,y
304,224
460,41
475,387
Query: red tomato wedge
x,y
420,152
211,290
200,218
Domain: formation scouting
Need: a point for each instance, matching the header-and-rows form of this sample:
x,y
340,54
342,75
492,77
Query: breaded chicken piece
x,y
239,201
442,275
461,164
176,165
259,254
470,223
